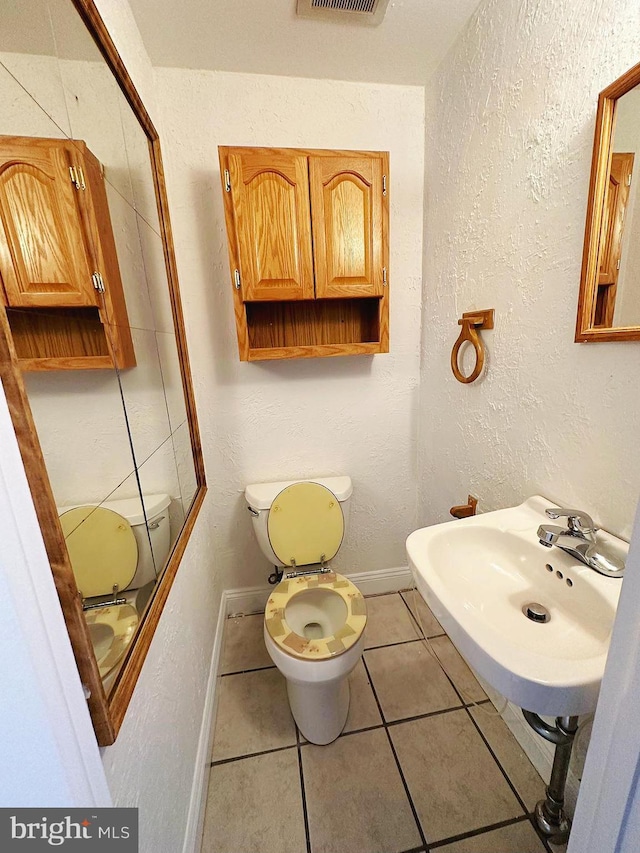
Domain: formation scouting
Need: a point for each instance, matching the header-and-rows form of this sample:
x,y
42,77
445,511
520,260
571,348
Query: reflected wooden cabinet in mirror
x,y
308,246
609,301
58,258
93,356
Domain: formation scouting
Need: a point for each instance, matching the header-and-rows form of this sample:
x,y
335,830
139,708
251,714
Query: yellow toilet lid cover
x,y
102,548
305,524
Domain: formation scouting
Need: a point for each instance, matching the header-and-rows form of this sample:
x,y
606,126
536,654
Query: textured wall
x,y
281,420
152,763
261,422
510,132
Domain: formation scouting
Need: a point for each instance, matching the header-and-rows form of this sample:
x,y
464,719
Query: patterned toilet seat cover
x,y
325,647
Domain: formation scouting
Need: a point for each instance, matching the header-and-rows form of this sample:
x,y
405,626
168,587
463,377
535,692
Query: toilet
x,y
315,618
115,562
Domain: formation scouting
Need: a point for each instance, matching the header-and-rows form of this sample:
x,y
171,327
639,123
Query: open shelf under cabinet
x,y
313,328
60,339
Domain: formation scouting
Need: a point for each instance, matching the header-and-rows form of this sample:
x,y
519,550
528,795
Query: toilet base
x,y
318,689
320,710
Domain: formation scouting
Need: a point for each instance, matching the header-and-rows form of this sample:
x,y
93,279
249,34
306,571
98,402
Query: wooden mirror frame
x,y
600,168
107,713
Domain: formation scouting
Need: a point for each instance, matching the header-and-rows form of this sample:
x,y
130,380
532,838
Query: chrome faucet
x,y
578,539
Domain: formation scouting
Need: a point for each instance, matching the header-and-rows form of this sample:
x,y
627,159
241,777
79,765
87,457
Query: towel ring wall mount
x,y
471,322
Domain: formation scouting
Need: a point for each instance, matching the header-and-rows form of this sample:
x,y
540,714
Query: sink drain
x,y
536,612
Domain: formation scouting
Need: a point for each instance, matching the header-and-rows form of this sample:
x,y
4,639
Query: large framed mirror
x,y
609,301
93,357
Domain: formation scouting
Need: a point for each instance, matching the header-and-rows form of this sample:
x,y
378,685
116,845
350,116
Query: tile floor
x,y
419,767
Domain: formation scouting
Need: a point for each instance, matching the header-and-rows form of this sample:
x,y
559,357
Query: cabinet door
x,y
270,199
43,261
348,226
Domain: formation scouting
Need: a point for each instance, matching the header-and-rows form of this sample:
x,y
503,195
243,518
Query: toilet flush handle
x,y
253,512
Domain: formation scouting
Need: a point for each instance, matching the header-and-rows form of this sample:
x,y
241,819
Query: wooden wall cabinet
x,y
59,276
308,237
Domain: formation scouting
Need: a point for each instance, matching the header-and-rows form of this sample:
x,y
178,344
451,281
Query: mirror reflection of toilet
x,y
116,562
315,618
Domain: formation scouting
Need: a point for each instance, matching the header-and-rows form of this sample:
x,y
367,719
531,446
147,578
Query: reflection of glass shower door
x,y
617,197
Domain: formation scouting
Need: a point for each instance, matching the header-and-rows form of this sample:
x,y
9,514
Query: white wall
x,y
509,141
48,751
608,811
282,420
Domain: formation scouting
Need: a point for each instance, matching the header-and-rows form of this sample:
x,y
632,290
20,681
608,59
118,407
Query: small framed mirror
x,y
609,301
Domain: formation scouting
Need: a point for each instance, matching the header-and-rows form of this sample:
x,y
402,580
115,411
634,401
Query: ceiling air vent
x,y
346,11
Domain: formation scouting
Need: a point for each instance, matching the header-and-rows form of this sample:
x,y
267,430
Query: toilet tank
x,y
159,537
260,496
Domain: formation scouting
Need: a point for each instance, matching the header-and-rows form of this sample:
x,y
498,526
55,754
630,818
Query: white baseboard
x,y
384,580
253,599
246,600
197,804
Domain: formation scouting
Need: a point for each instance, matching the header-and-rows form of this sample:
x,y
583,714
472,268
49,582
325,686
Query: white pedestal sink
x,y
479,573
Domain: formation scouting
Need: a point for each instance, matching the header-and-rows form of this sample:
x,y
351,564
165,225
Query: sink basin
x,y
479,575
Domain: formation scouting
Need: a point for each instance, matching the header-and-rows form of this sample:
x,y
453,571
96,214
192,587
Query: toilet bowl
x,y
115,557
315,618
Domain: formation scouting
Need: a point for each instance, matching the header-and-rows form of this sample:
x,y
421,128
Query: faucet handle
x,y
578,522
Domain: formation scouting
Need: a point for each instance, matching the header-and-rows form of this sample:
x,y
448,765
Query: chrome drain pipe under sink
x,y
551,819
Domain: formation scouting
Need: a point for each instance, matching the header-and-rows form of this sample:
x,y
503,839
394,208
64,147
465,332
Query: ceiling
x,y
267,37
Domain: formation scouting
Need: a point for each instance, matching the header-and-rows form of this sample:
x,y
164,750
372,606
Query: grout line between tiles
x,y
389,724
250,755
425,639
486,743
305,816
347,734
382,594
398,765
466,707
443,633
495,758
383,725
404,642
438,713
244,671
475,832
